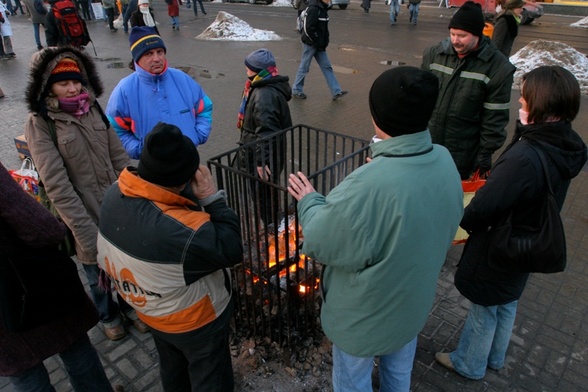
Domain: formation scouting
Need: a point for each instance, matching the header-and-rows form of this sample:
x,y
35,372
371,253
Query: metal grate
x,y
276,287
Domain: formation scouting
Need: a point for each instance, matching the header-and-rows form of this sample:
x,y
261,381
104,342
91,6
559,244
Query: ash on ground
x,y
541,52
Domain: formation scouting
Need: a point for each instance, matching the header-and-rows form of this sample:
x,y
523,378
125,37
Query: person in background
x,y
137,103
264,111
196,9
131,8
38,12
413,11
167,239
6,51
143,16
108,6
78,156
299,6
84,6
394,10
173,10
25,223
550,100
382,235
366,5
17,6
472,110
315,39
506,27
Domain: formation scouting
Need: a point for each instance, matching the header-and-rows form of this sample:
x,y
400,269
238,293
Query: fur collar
x,y
43,63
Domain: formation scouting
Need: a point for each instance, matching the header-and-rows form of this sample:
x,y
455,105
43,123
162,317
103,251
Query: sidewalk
x,y
549,347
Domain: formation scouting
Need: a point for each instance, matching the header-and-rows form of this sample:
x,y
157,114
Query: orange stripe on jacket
x,y
184,320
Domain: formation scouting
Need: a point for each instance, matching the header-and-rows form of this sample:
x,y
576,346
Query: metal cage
x,y
276,287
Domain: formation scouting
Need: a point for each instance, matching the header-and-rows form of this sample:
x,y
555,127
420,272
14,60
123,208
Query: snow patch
x,y
541,52
227,27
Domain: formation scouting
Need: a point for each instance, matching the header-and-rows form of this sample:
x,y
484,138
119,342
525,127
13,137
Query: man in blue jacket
x,y
382,236
156,93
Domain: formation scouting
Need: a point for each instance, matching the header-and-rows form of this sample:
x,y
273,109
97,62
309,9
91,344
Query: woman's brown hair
x,y
552,93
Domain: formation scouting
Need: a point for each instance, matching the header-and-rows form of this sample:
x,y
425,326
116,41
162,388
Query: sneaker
x,y
141,326
10,55
444,360
115,333
299,95
340,94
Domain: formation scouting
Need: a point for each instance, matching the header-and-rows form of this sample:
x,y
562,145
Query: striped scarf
x,y
263,74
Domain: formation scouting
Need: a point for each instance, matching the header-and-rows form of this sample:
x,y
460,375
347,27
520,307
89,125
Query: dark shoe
x,y
204,12
118,388
337,96
11,55
299,95
141,326
40,47
115,333
113,30
444,360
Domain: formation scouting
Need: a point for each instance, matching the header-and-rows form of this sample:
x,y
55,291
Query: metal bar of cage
x,y
276,287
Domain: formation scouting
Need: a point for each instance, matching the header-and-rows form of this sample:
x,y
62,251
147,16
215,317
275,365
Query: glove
x,y
483,162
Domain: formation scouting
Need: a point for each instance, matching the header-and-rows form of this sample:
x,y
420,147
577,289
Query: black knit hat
x,y
469,17
402,100
168,158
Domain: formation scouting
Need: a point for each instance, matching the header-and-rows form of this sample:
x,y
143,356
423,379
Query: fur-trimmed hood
x,y
43,62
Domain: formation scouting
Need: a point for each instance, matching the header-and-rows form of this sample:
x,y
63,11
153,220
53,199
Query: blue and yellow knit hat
x,y
143,39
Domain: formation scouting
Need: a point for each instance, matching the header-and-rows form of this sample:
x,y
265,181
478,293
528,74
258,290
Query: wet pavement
x,y
549,346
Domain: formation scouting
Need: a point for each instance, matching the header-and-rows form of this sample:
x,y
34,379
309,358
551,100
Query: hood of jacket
x,y
280,83
560,142
44,62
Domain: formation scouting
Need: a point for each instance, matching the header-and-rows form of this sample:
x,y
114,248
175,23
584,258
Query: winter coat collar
x,y
410,144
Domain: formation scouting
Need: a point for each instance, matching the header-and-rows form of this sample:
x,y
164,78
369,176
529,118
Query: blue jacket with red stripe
x,y
166,257
143,99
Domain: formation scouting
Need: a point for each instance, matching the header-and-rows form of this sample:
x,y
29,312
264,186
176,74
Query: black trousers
x,y
197,361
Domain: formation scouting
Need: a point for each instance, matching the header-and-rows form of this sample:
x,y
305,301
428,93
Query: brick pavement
x,y
549,347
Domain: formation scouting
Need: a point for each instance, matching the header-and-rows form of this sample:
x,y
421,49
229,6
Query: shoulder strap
x,y
541,155
52,132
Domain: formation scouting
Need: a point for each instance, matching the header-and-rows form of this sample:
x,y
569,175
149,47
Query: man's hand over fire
x,y
299,186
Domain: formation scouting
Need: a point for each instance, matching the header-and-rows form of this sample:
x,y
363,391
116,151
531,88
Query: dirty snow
x,y
581,23
541,52
227,27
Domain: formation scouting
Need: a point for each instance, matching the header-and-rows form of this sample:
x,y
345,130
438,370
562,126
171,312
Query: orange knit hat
x,y
66,69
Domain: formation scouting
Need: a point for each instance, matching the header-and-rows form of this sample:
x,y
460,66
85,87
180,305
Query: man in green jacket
x,y
382,236
475,78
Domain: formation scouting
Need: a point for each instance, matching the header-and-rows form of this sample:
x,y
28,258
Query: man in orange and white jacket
x,y
167,253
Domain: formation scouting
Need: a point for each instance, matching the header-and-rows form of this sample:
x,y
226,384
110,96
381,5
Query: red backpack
x,y
72,28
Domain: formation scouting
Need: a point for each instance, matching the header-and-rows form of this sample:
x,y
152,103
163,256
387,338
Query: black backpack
x,y
71,27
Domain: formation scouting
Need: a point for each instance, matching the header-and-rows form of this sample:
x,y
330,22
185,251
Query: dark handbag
x,y
37,286
531,249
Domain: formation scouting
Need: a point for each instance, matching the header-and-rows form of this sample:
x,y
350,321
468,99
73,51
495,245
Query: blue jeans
x,y
108,309
196,9
351,373
484,339
175,21
84,370
308,52
413,9
394,10
37,35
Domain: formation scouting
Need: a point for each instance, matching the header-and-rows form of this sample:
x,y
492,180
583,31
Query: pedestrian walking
x,y
517,185
413,11
195,8
315,39
173,10
6,51
38,12
394,11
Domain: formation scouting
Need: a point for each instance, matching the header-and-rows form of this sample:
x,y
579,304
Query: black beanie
x,y
168,158
402,100
469,17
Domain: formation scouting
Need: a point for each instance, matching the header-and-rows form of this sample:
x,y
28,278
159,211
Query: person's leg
x,y
8,47
396,367
108,310
505,321
201,7
173,366
83,367
325,65
471,356
37,35
394,7
110,16
415,13
351,373
303,68
33,379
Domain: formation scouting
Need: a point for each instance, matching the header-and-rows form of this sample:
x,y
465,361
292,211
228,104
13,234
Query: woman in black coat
x,y
550,101
506,27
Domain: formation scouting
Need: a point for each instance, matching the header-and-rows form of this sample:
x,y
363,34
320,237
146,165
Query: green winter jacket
x,y
382,235
472,109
